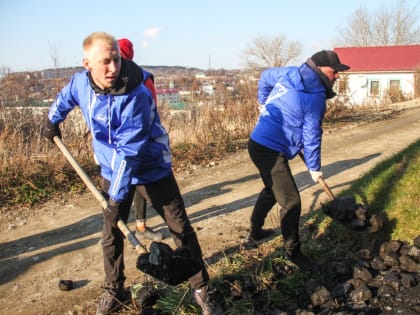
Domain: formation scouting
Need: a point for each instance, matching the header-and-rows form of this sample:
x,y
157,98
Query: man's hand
x,y
111,212
316,175
50,130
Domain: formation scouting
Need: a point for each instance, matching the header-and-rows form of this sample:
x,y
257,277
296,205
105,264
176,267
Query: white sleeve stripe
x,y
118,178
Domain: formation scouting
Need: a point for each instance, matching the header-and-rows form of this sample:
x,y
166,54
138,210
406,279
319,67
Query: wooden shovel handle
x,y
327,189
321,181
140,248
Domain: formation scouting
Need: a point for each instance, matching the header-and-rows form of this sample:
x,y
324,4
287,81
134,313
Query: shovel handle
x,y
321,181
80,171
140,248
326,189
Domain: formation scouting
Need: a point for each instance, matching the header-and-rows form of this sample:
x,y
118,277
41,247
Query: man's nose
x,y
113,66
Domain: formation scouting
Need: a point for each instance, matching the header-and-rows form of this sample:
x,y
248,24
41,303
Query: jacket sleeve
x,y
312,134
64,103
131,136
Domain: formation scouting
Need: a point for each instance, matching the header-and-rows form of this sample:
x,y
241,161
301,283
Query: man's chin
x,y
109,83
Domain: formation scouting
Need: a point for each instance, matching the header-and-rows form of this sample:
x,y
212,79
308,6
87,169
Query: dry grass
x,y
33,170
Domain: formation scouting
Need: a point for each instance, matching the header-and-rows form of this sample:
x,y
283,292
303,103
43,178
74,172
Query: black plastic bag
x,y
170,266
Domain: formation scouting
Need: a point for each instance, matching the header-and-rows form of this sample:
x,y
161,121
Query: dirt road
x,y
62,241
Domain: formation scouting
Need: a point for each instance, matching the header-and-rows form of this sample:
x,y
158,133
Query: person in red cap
x,y
126,48
139,203
294,104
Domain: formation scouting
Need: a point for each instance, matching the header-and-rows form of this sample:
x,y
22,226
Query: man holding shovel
x,y
294,104
132,149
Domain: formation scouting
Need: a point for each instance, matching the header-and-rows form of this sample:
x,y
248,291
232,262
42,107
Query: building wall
x,y
373,88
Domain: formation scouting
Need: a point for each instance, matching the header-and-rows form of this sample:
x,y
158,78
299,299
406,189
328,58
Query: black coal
x,y
387,282
353,215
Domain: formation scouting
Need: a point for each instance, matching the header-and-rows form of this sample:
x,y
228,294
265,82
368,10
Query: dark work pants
x,y
280,187
166,199
140,206
113,241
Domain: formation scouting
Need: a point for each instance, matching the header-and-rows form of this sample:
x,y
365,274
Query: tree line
x,y
386,26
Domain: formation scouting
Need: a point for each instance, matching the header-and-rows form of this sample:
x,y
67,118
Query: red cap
x,y
126,48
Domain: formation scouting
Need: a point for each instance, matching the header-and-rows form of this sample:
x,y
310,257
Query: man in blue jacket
x,y
132,149
294,104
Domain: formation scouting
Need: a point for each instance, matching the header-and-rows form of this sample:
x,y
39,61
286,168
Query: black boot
x,y
257,235
301,260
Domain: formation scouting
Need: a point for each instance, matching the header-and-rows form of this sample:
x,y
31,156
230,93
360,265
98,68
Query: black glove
x,y
50,130
111,212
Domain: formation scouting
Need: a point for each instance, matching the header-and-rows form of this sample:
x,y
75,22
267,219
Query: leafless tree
x,y
264,52
391,26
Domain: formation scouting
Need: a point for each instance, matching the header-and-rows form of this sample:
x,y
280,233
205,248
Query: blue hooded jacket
x,y
291,119
130,144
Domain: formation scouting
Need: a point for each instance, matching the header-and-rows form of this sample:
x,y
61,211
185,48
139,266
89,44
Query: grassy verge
x,y
258,279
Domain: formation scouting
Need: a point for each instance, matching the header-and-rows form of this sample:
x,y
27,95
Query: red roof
x,y
166,91
381,58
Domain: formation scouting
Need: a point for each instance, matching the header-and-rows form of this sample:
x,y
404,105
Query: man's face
x,y
330,73
103,61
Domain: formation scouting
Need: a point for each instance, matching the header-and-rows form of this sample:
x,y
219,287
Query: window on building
x,y
342,85
394,86
374,88
394,91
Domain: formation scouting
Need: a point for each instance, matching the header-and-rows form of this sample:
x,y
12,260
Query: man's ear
x,y
86,64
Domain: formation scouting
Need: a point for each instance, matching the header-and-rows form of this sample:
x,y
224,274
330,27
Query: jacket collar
x,y
327,84
131,75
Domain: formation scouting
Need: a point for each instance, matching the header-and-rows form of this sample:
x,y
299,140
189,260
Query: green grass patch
x,y
263,279
391,188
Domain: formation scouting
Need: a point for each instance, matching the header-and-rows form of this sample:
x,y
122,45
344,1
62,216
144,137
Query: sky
x,y
206,34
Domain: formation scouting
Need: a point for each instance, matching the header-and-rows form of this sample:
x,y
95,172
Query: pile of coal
x,y
351,214
387,282
167,265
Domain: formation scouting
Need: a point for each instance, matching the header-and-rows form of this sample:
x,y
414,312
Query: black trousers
x,y
280,187
166,199
140,206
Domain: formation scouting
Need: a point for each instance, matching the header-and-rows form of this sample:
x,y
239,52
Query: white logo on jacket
x,y
278,90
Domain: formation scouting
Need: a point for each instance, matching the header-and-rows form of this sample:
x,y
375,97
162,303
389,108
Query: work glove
x,y
316,175
111,212
50,130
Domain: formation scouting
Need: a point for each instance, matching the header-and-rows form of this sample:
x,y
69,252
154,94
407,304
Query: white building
x,y
378,74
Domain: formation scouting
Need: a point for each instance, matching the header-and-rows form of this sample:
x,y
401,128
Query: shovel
x,y
140,248
321,182
171,267
347,211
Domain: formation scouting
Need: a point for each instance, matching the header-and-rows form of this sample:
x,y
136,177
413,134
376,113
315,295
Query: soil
x,y
60,240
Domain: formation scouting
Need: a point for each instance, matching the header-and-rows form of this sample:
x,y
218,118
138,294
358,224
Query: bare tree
x,y
264,52
357,32
405,28
384,27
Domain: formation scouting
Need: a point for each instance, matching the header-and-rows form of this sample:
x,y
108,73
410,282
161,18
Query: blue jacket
x,y
130,144
291,119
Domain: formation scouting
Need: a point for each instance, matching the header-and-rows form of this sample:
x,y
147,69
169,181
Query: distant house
x,y
381,73
170,98
200,75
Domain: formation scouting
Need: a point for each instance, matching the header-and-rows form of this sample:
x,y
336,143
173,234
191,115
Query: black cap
x,y
328,58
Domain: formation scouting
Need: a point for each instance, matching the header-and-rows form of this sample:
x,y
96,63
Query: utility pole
x,y
210,65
